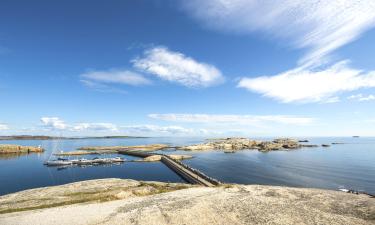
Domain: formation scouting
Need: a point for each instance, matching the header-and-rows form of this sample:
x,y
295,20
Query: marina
x,y
83,161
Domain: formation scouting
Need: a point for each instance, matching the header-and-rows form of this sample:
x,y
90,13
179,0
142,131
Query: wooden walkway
x,y
189,174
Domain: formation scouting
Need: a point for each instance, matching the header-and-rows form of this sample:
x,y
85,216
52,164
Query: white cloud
x,y
95,127
306,85
113,77
4,126
332,100
361,97
158,129
53,123
233,119
176,67
367,98
319,26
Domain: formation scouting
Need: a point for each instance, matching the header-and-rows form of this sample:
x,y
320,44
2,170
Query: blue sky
x,y
187,68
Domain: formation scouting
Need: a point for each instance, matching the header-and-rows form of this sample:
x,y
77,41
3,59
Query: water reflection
x,y
5,156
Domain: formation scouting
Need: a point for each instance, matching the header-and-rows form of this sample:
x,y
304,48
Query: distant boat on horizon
x,y
356,136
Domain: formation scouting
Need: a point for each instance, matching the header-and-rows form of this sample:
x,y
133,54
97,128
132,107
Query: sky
x,y
187,67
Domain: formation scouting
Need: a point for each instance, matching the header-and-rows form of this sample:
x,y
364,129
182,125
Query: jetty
x,y
188,173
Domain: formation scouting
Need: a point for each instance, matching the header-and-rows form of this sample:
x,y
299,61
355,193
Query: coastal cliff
x,y
115,201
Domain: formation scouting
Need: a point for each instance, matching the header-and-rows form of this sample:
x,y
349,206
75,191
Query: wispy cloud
x,y
333,99
319,26
100,80
100,87
95,127
176,67
55,123
166,130
233,119
306,85
158,129
4,126
361,97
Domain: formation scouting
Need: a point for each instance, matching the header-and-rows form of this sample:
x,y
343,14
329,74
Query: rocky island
x,y
151,147
234,144
116,201
93,150
229,145
19,149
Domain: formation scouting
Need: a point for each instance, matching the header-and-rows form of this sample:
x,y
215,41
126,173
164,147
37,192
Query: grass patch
x,y
69,202
103,195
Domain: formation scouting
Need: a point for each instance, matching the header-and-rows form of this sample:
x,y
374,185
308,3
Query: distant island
x,y
43,137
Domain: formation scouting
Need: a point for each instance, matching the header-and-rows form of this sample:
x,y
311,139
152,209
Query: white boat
x,y
84,162
107,160
58,163
117,159
74,161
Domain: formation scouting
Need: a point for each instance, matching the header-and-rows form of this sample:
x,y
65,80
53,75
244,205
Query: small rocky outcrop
x,y
152,147
87,152
155,158
8,149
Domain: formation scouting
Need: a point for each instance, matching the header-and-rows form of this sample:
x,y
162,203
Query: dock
x,y
188,173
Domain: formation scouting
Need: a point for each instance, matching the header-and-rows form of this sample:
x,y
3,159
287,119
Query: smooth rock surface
x,y
229,204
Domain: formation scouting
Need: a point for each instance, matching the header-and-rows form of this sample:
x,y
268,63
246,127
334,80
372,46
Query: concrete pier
x,y
189,174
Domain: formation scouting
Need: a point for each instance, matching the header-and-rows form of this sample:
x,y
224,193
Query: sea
x,y
350,165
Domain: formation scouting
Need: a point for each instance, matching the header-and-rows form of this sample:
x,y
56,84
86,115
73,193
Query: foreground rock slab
x,y
82,192
230,204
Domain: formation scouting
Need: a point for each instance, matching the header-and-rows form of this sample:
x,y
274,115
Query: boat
x,y
117,159
108,160
58,162
344,190
84,162
100,161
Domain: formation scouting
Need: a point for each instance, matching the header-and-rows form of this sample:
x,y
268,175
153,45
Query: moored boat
x,y
84,162
117,159
58,162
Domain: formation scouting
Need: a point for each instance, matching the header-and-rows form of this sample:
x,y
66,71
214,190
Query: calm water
x,y
349,165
